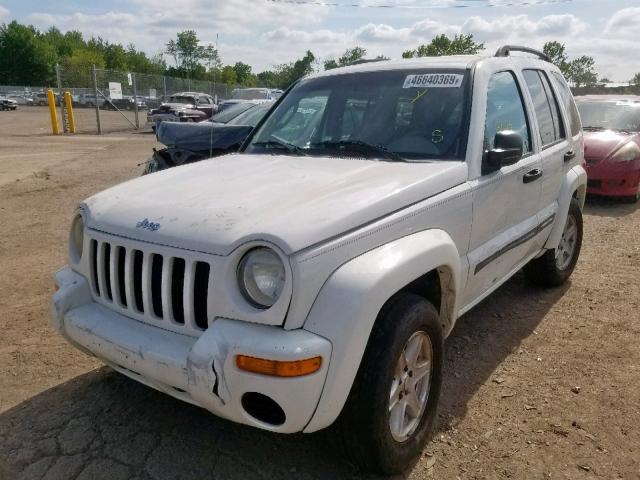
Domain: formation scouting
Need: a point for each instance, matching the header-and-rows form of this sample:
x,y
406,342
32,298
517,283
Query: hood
x,y
201,137
601,145
294,202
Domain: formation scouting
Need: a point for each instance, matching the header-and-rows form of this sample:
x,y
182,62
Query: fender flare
x,y
348,304
575,181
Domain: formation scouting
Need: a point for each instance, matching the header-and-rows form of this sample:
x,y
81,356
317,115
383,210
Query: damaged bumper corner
x,y
199,370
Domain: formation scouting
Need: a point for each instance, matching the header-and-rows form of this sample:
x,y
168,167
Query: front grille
x,y
158,288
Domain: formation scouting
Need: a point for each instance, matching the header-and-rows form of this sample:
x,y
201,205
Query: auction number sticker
x,y
433,80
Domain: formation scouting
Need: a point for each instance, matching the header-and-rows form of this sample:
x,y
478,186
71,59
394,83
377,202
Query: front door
x,y
505,202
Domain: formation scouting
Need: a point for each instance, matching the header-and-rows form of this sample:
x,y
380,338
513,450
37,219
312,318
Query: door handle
x,y
532,175
570,155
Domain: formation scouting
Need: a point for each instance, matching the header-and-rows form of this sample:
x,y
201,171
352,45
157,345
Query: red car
x,y
612,144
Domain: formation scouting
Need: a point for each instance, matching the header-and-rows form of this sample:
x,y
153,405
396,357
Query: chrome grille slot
x,y
121,254
151,283
138,258
177,288
156,284
200,292
94,267
107,270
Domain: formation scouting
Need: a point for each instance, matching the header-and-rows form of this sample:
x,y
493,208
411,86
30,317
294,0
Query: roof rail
x,y
366,60
506,50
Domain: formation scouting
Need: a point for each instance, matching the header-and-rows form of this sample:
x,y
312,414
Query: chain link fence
x,y
111,100
107,101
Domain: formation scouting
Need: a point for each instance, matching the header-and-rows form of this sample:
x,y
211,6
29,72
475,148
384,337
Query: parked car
x,y
41,99
191,142
89,100
612,144
240,95
8,104
312,277
21,99
125,103
183,107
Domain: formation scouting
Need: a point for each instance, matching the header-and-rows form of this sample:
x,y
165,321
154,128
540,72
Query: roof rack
x,y
506,50
366,60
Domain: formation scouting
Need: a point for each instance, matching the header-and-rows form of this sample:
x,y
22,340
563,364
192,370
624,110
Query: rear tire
x,y
390,413
555,266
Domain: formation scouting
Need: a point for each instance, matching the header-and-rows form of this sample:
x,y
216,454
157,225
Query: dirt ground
x,y
539,384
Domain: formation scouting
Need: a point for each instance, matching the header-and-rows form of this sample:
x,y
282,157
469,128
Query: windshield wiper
x,y
592,128
289,147
362,146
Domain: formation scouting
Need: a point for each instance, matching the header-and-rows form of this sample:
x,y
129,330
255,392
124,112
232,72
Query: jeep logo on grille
x,y
147,225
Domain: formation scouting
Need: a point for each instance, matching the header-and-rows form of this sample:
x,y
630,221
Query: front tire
x,y
391,410
555,266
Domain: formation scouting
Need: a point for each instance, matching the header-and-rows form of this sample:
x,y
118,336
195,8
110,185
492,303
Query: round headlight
x,y
261,277
76,239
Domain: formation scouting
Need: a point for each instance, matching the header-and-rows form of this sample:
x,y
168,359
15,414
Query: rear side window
x,y
546,107
505,110
569,104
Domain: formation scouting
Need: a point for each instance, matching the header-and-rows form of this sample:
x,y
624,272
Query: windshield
x,y
231,112
252,116
416,114
180,99
610,115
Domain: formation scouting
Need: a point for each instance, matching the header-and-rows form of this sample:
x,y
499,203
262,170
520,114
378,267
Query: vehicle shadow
x,y
608,206
104,421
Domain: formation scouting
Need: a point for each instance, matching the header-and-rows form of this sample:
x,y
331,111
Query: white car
x,y
313,277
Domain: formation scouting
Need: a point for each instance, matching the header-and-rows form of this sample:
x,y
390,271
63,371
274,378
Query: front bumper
x,y
613,179
200,370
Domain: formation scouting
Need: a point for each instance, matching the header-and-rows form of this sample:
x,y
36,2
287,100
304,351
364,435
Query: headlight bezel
x,y
247,284
76,238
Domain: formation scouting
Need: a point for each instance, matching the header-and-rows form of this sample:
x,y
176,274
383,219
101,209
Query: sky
x,y
264,33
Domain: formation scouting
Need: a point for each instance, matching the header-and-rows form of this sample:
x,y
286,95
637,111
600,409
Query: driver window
x,y
505,110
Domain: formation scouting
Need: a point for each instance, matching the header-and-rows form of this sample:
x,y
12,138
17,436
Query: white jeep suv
x,y
312,277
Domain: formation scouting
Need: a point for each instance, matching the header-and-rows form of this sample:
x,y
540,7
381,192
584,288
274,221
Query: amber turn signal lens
x,y
276,368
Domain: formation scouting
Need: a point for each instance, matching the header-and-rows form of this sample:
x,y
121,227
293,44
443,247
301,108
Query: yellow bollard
x,y
70,117
52,110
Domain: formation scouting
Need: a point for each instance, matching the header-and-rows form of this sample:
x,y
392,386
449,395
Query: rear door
x,y
553,139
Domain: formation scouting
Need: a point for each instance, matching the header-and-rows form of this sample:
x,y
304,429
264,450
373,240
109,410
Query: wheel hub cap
x,y
410,386
567,245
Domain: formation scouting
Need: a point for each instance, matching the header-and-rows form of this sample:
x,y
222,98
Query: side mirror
x,y
508,149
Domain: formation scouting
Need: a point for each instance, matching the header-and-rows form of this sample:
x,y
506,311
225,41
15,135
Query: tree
x,y
351,55
636,79
581,71
77,67
186,51
25,58
228,75
243,73
556,51
443,45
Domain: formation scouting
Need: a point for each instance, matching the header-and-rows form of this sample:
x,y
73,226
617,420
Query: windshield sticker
x,y
433,80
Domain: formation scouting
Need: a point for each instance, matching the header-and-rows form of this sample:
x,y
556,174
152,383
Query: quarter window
x,y
569,104
546,107
505,110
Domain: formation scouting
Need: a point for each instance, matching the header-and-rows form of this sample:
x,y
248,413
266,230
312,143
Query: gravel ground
x,y
538,383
